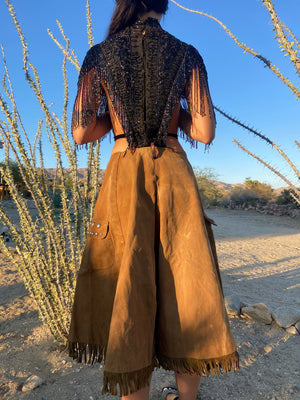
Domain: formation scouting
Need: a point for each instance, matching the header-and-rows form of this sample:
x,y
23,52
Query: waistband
x,y
152,145
124,136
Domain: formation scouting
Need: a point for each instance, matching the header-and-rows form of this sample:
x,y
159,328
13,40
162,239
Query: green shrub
x,y
210,193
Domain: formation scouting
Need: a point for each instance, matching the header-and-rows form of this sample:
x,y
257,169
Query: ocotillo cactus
x,y
50,246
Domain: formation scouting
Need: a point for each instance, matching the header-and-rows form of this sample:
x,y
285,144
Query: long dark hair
x,y
128,11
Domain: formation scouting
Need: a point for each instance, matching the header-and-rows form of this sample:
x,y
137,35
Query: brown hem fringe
x,y
214,366
131,382
87,353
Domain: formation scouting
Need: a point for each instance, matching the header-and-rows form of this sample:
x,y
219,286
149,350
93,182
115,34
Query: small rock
x,y
286,316
292,330
267,349
233,304
31,383
259,312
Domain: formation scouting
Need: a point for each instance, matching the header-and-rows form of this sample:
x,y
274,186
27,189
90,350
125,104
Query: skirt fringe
x,y
212,366
131,382
87,353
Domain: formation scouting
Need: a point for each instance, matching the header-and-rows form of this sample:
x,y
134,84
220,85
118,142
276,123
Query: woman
x,y
148,291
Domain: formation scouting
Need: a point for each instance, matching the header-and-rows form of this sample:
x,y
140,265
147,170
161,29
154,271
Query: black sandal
x,y
169,390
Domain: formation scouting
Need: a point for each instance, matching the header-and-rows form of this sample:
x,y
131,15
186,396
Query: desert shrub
x,y
285,198
14,170
251,193
239,196
264,191
210,193
56,199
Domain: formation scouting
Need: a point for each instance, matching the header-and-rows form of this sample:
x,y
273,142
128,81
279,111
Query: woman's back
x,y
140,74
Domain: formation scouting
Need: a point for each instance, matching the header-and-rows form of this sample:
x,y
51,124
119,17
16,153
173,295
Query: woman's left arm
x,y
89,120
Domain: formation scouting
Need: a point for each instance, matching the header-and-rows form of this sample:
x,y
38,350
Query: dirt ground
x,y
260,261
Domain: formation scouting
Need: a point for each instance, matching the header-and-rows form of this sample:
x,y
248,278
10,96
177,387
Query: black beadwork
x,y
146,72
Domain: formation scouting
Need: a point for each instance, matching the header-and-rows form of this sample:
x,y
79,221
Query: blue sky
x,y
239,84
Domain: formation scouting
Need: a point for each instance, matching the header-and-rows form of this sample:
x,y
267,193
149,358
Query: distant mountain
x,y
226,187
82,173
229,186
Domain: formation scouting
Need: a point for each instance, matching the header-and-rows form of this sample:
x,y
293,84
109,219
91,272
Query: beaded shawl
x,y
146,72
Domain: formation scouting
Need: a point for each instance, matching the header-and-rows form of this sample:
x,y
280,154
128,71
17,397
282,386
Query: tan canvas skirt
x,y
149,291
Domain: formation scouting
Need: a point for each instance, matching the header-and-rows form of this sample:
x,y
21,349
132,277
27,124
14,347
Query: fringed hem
x,y
131,382
214,366
128,382
87,353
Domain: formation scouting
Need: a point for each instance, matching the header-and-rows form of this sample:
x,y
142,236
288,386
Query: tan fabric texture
x,y
148,291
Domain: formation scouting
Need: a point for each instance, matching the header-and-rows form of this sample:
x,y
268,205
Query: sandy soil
x,y
260,259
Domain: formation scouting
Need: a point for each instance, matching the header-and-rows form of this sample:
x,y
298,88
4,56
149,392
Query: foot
x,y
169,393
172,397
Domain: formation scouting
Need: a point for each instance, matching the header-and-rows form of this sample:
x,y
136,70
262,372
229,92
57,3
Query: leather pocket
x,y
98,230
99,252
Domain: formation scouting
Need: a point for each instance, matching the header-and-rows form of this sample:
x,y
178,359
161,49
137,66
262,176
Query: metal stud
x,y
98,225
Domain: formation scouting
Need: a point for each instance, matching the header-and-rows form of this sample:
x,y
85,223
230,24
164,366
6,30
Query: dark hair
x,y
128,11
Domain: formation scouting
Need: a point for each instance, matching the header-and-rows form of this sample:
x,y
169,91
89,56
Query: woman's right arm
x,y
201,129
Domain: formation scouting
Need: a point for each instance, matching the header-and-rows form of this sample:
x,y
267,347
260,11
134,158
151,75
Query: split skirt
x,y
148,290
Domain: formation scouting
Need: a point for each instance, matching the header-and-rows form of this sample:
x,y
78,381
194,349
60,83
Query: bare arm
x,y
197,127
198,119
93,131
87,125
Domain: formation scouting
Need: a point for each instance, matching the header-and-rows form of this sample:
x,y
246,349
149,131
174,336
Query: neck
x,y
152,14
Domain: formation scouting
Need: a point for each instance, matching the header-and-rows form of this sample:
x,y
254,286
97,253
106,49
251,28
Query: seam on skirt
x,y
117,175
